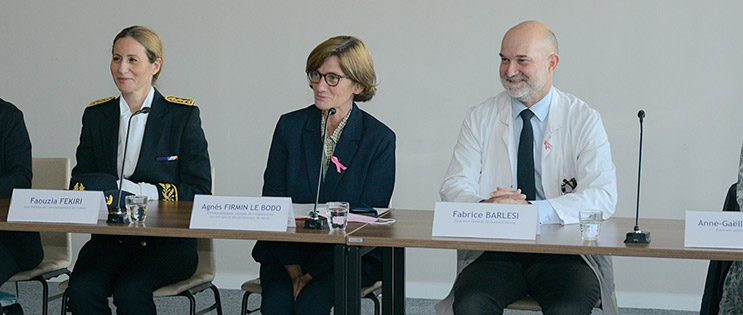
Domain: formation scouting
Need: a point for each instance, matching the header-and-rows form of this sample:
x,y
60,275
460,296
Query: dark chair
x,y
718,270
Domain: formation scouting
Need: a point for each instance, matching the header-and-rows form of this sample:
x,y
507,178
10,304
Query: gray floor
x,y
30,297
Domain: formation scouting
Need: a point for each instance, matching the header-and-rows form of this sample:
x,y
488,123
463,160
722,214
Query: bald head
x,y
528,58
532,32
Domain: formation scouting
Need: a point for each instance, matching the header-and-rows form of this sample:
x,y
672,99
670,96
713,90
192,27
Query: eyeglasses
x,y
331,79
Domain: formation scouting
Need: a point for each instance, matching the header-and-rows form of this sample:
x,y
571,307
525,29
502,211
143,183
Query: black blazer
x,y
718,270
366,147
15,172
172,130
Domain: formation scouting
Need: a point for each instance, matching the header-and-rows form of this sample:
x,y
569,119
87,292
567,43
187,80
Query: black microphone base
x,y
117,217
315,223
637,238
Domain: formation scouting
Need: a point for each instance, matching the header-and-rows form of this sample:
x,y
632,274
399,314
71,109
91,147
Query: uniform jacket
x,y
575,146
173,129
15,172
718,270
366,147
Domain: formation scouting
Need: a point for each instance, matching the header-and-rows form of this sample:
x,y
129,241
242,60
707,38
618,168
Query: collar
x,y
540,109
124,107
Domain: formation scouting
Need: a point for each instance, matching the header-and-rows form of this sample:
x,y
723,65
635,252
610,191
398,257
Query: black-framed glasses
x,y
331,79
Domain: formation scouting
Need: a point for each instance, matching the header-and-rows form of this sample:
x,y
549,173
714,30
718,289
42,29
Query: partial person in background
x,y
19,251
359,160
534,144
167,160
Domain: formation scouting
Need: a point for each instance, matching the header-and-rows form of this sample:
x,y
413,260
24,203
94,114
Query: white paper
x,y
241,213
56,206
485,220
714,229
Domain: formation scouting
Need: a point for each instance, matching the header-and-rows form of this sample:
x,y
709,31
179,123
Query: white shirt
x,y
136,134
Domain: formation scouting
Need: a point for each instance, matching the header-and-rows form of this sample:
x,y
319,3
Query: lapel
x,y
552,142
152,131
109,133
506,132
345,150
312,146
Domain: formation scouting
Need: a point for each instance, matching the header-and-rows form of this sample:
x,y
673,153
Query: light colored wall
x,y
243,62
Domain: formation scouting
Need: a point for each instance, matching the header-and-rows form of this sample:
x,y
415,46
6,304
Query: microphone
x,y
637,235
119,216
314,221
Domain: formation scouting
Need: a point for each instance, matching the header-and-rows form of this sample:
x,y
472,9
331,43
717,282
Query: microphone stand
x,y
313,221
118,215
637,235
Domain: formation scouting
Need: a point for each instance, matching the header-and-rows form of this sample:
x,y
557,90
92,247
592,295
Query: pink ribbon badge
x,y
338,165
547,145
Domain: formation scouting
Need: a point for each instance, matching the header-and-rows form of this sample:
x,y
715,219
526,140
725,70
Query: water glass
x,y
136,208
590,224
337,215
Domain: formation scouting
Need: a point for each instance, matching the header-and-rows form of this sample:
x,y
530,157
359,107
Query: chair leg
x,y
64,303
375,300
191,301
217,300
44,296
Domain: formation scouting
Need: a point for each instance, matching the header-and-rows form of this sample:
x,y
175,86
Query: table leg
x,y
399,280
339,253
387,279
353,280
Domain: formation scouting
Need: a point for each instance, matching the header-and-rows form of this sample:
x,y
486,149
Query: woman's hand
x,y
299,284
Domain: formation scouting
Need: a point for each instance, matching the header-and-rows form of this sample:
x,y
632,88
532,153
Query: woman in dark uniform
x,y
166,158
359,168
19,251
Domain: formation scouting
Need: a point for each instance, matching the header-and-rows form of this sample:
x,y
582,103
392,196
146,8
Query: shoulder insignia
x,y
78,186
100,101
169,192
109,200
179,100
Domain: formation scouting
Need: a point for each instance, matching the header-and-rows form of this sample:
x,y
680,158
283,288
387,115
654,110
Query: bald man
x,y
533,144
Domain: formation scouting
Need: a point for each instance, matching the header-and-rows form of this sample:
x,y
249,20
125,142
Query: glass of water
x,y
337,215
136,208
590,224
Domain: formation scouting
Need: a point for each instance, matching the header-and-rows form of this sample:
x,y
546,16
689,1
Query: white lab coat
x,y
575,146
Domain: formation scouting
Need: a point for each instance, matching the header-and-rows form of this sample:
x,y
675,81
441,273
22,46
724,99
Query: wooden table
x,y
413,229
172,219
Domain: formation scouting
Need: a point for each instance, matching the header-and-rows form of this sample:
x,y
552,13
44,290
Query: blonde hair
x,y
355,61
146,37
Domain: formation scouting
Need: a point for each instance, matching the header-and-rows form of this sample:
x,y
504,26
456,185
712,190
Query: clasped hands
x,y
505,195
299,280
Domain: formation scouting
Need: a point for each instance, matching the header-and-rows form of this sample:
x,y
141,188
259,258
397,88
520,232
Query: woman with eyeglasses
x,y
359,167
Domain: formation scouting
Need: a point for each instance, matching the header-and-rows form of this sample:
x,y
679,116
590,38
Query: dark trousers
x,y
128,269
8,265
562,284
317,297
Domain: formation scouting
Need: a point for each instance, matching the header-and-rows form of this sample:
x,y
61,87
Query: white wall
x,y
243,62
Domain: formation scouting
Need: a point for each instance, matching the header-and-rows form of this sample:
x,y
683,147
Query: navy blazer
x,y
15,172
366,147
171,130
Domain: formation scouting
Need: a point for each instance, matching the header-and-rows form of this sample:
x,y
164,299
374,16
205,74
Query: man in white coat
x,y
559,160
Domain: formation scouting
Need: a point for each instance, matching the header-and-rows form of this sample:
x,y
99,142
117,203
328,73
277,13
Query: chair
x,y
199,281
529,304
50,173
254,287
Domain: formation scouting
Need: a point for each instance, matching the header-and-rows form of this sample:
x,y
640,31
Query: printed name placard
x,y
56,206
241,213
485,220
714,229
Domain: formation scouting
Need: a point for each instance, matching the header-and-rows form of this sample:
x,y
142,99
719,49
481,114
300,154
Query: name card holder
x,y
485,220
56,206
714,229
241,213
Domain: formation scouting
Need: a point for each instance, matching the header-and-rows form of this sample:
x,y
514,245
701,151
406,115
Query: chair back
x,y
50,173
57,246
205,248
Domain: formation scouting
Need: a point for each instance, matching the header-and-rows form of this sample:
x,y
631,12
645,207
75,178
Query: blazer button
x,y
144,243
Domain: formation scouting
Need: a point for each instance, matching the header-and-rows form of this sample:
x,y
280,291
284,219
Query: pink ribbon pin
x,y
338,165
547,145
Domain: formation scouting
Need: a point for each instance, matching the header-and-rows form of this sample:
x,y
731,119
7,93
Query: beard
x,y
526,92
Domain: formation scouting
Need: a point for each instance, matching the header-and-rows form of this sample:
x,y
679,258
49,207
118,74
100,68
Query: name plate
x,y
714,229
56,206
485,220
241,213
